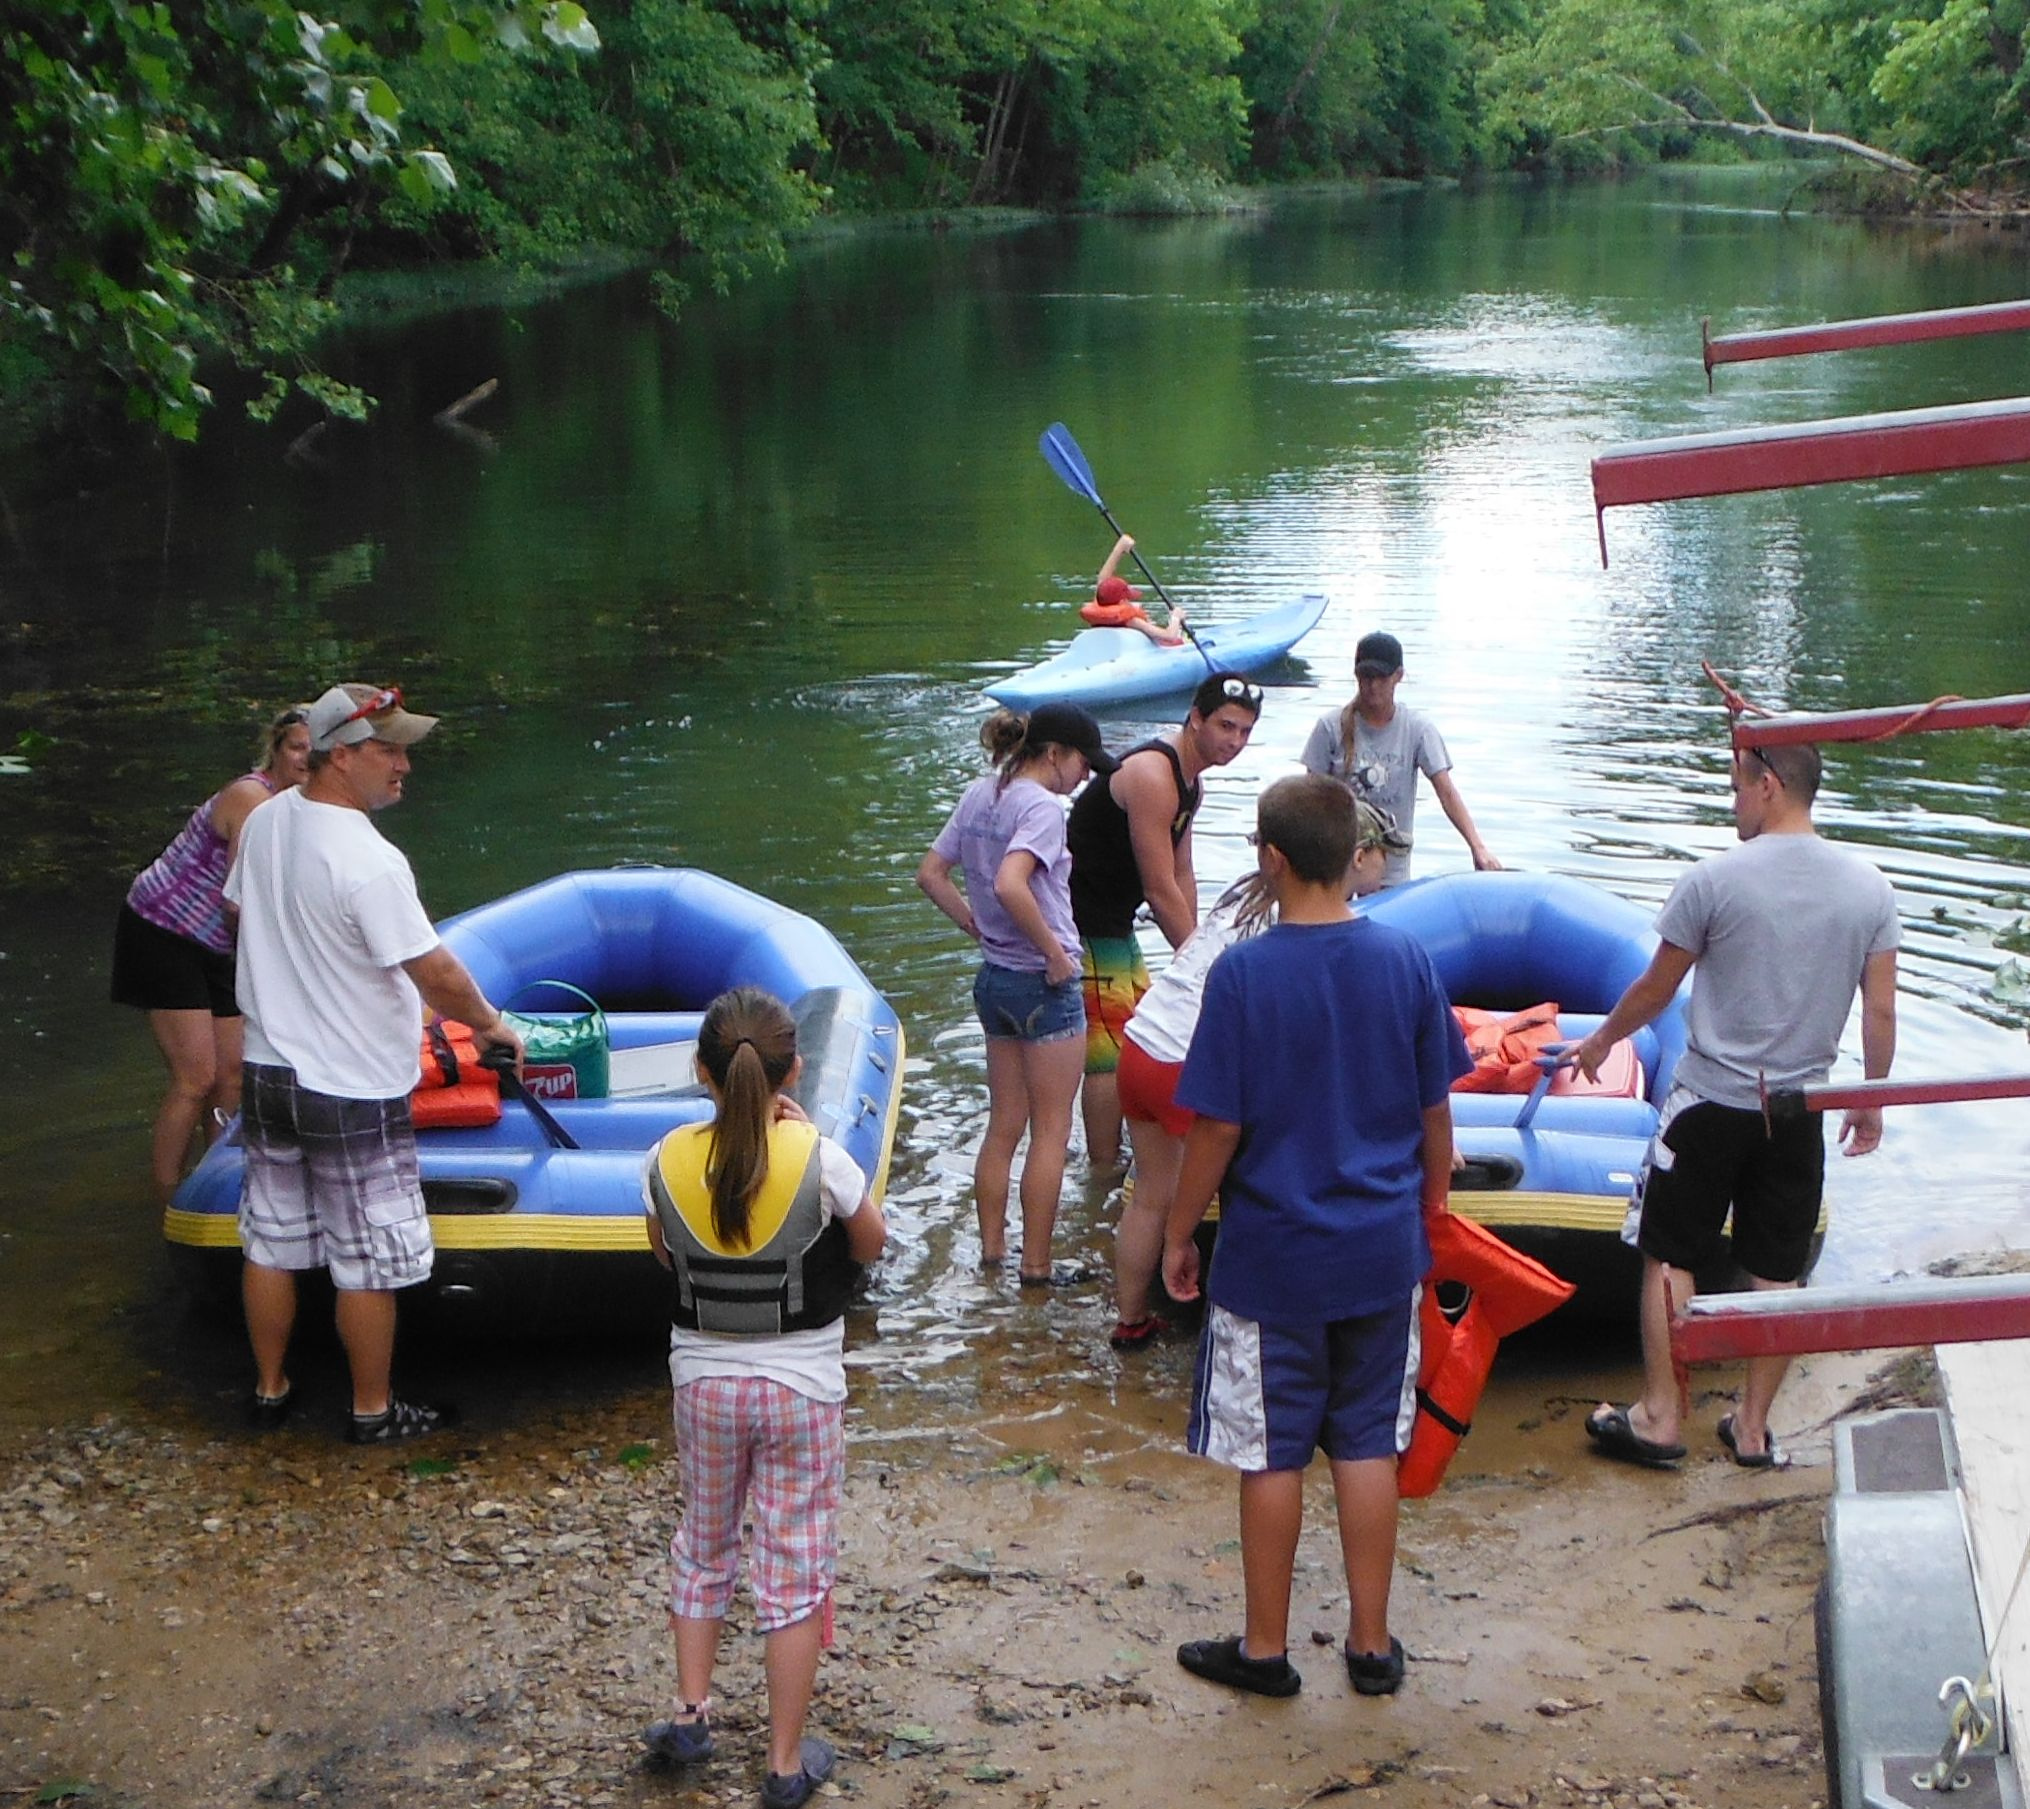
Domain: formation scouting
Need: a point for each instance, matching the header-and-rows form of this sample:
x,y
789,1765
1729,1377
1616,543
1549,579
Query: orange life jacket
x,y
1504,1046
1506,1291
454,1091
1096,614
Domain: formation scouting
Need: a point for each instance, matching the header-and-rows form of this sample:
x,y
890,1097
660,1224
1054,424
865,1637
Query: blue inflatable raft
x,y
1119,665
529,1228
1553,1179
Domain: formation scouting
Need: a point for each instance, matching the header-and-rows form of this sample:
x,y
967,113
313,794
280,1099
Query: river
x,y
722,592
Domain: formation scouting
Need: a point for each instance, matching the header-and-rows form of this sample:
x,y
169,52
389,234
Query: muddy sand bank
x,y
209,1618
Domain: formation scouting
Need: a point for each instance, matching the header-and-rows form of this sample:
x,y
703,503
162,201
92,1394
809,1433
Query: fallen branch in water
x,y
447,417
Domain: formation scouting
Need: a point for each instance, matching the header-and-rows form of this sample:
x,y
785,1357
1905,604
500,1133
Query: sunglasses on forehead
x,y
389,699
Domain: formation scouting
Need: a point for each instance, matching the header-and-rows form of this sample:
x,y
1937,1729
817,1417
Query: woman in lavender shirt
x,y
1006,840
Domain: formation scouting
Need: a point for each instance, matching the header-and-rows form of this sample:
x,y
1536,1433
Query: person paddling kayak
x,y
1117,604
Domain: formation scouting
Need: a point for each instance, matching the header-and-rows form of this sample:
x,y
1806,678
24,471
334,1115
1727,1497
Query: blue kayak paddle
x,y
1061,453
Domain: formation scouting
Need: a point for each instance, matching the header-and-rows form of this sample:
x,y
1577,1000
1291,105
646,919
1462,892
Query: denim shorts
x,y
1026,1006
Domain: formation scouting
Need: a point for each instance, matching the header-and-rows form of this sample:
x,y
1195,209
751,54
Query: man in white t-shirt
x,y
336,961
1783,930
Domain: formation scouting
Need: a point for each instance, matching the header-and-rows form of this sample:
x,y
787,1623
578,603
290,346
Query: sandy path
x,y
187,1620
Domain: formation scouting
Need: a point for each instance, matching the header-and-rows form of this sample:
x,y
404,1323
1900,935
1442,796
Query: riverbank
x,y
190,1619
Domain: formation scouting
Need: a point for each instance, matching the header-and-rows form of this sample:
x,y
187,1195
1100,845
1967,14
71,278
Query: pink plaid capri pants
x,y
742,1440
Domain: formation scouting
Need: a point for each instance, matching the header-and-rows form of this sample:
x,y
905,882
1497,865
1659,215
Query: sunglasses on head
x,y
1763,760
1241,691
389,699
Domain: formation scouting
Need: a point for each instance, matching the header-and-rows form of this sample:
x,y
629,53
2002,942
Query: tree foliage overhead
x,y
1931,89
159,164
182,180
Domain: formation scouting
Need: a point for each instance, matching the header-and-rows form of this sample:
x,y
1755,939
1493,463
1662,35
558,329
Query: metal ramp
x,y
1898,1613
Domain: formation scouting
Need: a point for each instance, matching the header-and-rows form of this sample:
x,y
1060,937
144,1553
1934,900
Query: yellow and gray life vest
x,y
794,1275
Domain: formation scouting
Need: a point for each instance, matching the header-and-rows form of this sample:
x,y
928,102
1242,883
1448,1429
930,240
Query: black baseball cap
x,y
1070,725
1377,655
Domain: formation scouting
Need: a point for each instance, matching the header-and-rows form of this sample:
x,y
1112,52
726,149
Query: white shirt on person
x,y
328,914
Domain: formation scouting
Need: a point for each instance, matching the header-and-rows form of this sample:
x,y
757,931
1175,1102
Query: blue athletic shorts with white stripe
x,y
1265,1397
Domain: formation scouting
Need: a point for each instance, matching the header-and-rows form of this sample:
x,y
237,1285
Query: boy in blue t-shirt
x,y
1320,1072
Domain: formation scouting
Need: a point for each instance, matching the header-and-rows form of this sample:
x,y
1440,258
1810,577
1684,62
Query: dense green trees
x,y
1930,91
180,181
161,167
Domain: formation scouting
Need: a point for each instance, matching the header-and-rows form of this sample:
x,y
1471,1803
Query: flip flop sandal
x,y
1772,1456
1613,1433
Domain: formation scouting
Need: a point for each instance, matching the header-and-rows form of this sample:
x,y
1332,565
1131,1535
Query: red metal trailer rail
x,y
1789,1322
1810,452
2011,712
1846,335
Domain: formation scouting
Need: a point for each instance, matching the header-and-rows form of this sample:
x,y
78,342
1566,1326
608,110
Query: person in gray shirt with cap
x,y
1378,748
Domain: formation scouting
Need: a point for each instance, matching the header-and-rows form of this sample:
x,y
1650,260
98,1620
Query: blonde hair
x,y
276,733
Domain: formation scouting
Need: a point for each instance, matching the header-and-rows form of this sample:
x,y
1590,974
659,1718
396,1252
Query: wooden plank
x,y
2012,712
1790,1322
1847,335
1985,1387
1839,451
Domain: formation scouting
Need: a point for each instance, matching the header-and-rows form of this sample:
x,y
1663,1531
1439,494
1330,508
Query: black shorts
x,y
158,970
1708,1157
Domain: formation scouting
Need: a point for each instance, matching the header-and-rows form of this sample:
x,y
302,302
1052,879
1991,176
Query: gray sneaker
x,y
792,1792
680,1742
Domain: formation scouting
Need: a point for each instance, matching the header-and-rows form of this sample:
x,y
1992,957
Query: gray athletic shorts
x,y
331,1183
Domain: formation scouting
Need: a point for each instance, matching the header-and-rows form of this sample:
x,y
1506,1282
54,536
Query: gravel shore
x,y
222,1619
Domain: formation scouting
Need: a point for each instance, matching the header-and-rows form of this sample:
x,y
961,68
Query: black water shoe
x,y
266,1412
401,1419
1223,1661
1376,1673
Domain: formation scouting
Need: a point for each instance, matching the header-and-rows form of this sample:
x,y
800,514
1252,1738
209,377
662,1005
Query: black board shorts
x,y
157,970
1706,1158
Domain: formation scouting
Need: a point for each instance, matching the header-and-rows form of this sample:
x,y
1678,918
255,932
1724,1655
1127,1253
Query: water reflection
x,y
724,594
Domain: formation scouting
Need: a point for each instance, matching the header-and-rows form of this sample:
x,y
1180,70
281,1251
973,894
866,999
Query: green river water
x,y
723,593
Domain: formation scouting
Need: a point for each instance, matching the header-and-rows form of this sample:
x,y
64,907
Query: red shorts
x,y
1148,1089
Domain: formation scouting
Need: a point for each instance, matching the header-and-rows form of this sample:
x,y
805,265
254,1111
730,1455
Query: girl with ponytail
x,y
763,1224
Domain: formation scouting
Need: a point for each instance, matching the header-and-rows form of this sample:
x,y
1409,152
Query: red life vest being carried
x,y
1505,1292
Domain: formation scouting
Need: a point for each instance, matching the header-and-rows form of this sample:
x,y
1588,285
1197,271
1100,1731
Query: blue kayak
x,y
1118,665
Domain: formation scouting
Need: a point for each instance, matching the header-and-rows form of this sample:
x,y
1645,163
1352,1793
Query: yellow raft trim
x,y
523,1230
1590,1212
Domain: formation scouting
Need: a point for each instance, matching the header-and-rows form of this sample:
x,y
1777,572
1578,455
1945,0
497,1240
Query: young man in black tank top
x,y
1130,840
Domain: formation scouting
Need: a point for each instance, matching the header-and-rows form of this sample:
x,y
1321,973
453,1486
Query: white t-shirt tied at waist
x,y
328,914
1781,928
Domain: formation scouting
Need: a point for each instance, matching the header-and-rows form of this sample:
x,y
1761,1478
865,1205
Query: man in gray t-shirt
x,y
1379,748
1782,931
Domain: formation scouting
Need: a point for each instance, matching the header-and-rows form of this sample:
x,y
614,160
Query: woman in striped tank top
x,y
173,950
